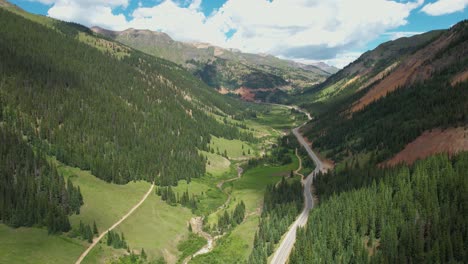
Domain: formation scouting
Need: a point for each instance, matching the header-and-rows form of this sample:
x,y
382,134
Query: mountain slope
x,y
223,68
104,107
391,95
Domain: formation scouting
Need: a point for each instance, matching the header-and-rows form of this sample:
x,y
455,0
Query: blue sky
x,y
334,31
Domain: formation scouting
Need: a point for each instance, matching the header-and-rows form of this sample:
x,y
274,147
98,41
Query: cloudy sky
x,y
333,31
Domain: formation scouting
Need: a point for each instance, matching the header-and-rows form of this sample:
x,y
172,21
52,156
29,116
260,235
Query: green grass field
x,y
237,245
210,197
104,202
279,118
235,149
234,247
217,165
189,246
35,246
155,226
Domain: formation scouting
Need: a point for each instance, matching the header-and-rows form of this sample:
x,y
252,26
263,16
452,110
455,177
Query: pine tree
x,y
95,230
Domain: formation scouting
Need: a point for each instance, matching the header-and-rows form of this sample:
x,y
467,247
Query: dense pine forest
x,y
399,215
101,106
32,192
281,205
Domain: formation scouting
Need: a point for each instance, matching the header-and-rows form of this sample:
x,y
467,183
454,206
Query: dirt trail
x,y
96,240
220,186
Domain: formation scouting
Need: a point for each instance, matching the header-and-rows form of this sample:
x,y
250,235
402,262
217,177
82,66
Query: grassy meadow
x,y
157,227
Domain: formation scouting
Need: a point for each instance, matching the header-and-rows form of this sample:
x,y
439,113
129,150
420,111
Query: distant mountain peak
x,y
5,3
224,67
131,31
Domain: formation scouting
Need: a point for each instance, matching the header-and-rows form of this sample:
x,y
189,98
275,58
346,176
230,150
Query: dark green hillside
x,y
224,73
101,106
32,193
401,215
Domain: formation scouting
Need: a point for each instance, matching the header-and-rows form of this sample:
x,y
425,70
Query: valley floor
x,y
156,226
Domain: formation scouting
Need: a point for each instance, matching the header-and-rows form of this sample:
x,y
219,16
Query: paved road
x,y
282,252
96,240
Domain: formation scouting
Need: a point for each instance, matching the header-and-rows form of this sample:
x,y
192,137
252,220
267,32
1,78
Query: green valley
x,y
133,146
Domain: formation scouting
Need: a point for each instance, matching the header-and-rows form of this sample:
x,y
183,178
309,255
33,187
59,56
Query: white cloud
x,y
91,13
443,7
340,60
400,34
188,24
297,29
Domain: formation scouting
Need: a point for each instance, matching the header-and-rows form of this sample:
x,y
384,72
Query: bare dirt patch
x,y
379,76
328,164
451,141
413,69
223,90
460,77
246,94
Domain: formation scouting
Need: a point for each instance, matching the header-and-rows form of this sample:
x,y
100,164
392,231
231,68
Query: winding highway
x,y
281,254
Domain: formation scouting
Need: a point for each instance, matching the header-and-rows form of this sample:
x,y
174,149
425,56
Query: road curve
x,y
281,254
96,240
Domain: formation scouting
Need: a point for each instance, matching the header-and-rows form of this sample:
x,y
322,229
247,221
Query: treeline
x,y
172,198
32,192
282,204
133,258
116,241
227,220
280,153
398,215
122,117
85,232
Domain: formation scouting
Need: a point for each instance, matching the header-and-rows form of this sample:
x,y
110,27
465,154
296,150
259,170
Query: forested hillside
x,y
104,107
224,68
436,99
399,215
281,205
32,193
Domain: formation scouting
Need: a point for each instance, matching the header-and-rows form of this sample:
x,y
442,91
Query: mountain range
x,y
227,70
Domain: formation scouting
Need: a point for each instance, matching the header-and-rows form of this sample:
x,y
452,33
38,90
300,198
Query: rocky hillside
x,y
391,96
394,64
225,69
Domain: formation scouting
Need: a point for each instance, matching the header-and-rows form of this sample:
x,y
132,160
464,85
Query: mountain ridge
x,y
203,45
416,83
225,69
